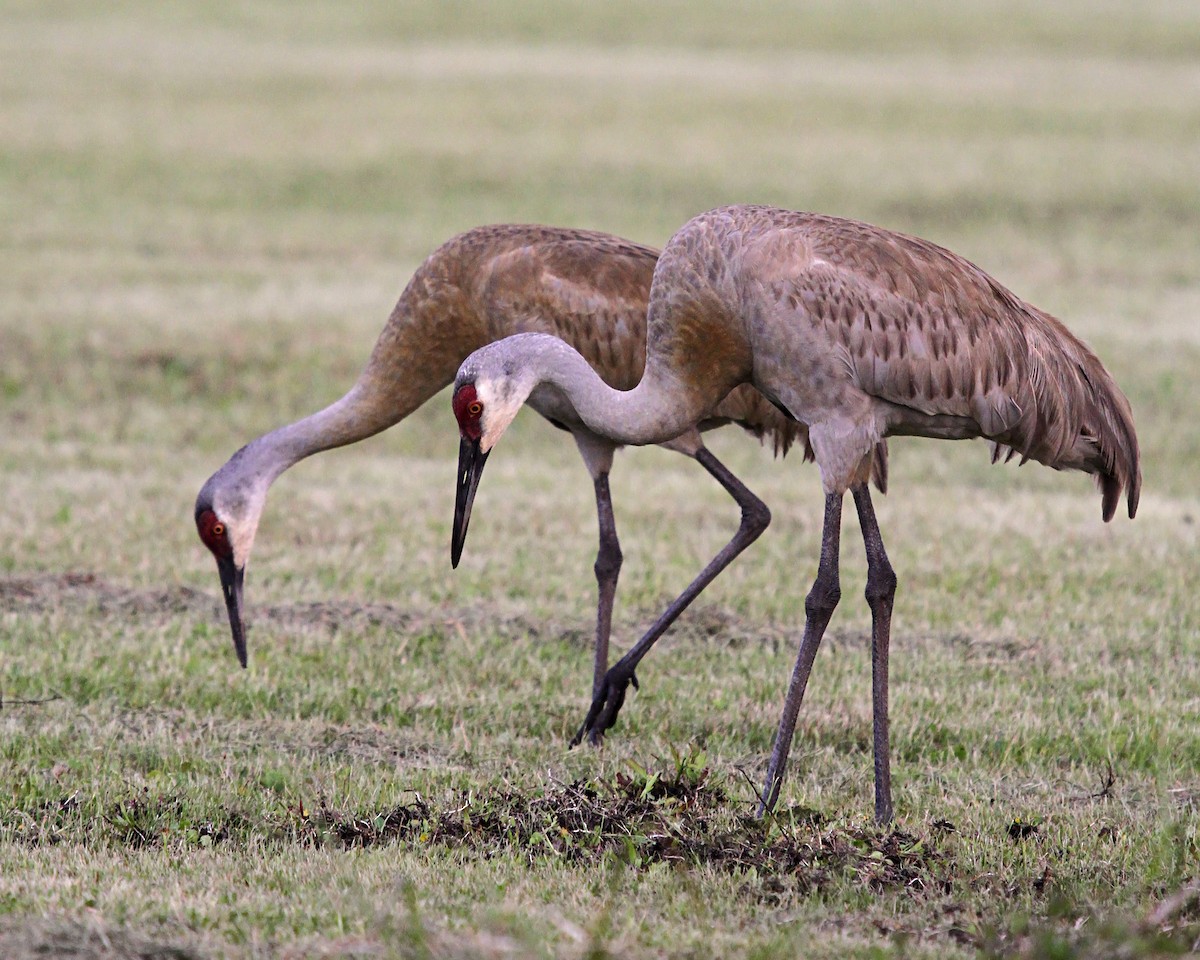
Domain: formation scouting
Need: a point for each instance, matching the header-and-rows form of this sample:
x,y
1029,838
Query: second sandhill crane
x,y
589,288
857,332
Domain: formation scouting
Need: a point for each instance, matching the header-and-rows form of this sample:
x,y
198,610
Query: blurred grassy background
x,y
206,214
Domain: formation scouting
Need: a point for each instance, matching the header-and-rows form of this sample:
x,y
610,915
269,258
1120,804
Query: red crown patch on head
x,y
467,410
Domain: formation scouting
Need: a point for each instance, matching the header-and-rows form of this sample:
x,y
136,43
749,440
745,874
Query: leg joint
x,y
608,562
822,599
756,517
881,584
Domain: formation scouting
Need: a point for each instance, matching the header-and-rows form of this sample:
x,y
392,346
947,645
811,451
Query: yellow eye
x,y
218,529
475,409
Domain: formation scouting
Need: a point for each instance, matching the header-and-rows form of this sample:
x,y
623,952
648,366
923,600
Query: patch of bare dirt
x,y
53,591
37,939
360,743
49,592
718,625
93,938
80,590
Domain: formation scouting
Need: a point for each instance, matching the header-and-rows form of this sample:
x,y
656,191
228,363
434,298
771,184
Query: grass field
x,y
206,214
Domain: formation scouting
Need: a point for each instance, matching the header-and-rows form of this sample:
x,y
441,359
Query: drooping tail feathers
x,y
1070,413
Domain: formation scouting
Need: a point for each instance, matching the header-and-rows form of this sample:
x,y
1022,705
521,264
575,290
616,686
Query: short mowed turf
x,y
206,214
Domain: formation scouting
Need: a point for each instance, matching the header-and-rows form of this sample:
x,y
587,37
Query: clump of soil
x,y
638,818
643,820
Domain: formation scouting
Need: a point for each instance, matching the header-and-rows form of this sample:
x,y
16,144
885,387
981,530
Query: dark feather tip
x,y
1111,490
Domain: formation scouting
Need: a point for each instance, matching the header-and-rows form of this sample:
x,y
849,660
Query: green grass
x,y
206,213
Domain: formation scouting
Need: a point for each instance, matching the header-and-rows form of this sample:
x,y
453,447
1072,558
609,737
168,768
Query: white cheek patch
x,y
241,539
499,410
241,521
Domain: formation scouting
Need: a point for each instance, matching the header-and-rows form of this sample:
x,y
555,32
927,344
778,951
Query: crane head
x,y
227,520
214,533
469,410
491,385
484,405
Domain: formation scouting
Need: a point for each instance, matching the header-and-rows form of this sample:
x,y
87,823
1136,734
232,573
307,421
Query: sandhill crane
x,y
856,332
589,288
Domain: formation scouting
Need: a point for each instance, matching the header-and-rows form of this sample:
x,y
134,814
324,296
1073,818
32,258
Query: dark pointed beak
x,y
470,469
231,584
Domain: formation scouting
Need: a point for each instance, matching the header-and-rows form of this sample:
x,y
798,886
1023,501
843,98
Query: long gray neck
x,y
260,462
657,409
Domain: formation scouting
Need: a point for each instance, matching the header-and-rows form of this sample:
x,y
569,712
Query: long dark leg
x,y
881,590
818,608
608,568
607,701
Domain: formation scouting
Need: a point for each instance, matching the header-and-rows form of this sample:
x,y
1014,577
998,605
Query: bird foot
x,y
606,704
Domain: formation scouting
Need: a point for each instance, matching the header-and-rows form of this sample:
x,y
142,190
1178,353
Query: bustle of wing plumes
x,y
1030,386
964,346
1073,415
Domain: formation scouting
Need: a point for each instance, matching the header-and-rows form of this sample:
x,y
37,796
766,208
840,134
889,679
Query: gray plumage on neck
x,y
510,369
237,492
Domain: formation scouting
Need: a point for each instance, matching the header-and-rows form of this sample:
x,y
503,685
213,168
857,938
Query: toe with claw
x,y
606,704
